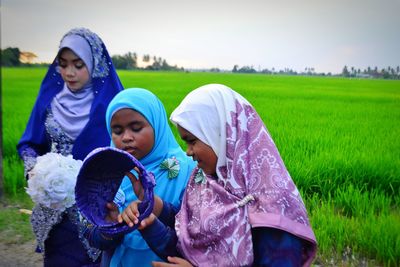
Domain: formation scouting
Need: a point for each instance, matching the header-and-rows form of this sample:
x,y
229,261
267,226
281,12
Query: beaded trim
x,y
29,157
245,200
100,66
60,142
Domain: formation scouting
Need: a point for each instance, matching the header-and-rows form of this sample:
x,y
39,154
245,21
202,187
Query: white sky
x,y
325,35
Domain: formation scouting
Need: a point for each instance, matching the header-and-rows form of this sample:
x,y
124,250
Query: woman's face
x,y
73,70
131,132
202,153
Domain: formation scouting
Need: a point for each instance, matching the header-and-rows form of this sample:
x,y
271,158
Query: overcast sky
x,y
325,35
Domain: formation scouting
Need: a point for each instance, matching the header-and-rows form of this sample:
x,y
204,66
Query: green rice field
x,y
339,138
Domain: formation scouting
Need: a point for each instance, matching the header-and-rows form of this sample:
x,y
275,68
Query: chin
x,y
74,89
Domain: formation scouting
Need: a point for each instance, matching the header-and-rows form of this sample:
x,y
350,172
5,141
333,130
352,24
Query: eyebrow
x,y
74,60
187,137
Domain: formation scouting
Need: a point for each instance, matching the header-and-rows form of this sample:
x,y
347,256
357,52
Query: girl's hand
x,y
113,212
147,221
139,192
174,261
131,214
136,184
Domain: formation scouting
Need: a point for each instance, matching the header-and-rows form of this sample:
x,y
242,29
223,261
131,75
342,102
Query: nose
x,y
189,151
70,71
127,137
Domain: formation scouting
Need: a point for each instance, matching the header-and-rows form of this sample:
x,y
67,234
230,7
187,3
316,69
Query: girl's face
x,y
73,70
131,132
202,153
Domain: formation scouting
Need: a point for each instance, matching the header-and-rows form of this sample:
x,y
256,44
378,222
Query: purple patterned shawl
x,y
253,187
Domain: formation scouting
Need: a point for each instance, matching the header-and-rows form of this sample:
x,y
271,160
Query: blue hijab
x,y
134,249
105,85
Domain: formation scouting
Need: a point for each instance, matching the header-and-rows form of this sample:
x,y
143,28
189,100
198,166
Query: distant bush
x,y
10,57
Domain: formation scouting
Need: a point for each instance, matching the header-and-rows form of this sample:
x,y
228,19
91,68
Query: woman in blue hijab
x,y
68,118
164,158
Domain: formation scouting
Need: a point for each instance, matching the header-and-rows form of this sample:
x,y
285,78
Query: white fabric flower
x,y
52,181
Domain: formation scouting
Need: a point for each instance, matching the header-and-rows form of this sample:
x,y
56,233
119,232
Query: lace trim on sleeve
x,y
28,155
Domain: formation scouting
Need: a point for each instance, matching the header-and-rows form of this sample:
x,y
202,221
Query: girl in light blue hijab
x,y
165,159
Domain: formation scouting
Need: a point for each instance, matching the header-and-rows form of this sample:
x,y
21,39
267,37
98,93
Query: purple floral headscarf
x,y
253,187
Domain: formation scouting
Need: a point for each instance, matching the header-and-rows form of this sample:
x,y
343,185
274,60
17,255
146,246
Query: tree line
x,y
129,61
285,71
385,73
13,57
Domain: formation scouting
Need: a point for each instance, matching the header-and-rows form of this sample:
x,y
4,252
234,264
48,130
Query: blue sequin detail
x,y
60,142
43,219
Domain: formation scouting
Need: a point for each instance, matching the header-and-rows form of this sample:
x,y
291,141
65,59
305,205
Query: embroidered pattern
x,y
60,142
254,170
29,157
43,219
172,165
83,224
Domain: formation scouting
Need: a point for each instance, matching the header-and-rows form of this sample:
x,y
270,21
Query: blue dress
x,y
59,234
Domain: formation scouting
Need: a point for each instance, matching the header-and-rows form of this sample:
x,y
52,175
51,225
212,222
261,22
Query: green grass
x,y
364,223
339,139
14,225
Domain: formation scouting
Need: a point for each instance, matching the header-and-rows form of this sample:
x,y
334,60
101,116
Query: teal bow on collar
x,y
172,166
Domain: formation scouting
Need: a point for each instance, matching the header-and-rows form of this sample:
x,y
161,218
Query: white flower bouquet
x,y
52,181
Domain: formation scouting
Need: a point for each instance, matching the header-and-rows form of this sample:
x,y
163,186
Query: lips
x,y
130,149
72,83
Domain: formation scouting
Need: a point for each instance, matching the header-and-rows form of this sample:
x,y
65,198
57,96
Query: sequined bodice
x,y
59,141
44,219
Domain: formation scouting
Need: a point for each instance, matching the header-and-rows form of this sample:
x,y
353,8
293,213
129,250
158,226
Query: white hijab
x,y
253,187
207,126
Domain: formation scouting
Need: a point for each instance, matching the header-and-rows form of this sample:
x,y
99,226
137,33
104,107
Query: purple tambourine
x,y
98,181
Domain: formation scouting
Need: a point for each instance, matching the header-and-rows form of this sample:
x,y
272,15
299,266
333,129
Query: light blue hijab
x,y
133,251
